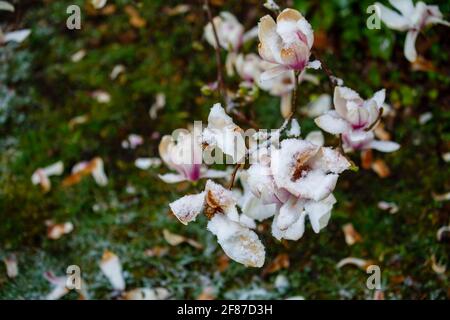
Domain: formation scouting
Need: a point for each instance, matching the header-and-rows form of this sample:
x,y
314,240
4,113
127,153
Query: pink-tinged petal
x,y
295,55
319,212
357,115
332,123
391,18
239,243
384,146
307,30
406,7
187,208
289,213
410,45
171,178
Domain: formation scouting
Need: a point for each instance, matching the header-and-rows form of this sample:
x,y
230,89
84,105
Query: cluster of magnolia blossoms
x,y
288,180
285,49
354,119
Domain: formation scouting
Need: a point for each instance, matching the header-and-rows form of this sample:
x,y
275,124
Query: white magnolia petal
x,y
294,232
319,212
112,269
239,243
410,45
306,29
289,213
270,42
272,73
384,146
330,160
406,7
254,208
246,221
171,177
187,208
316,137
316,185
332,123
379,97
6,6
391,18
17,36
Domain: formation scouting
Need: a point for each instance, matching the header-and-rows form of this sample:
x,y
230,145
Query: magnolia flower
x,y
184,155
224,134
353,117
41,175
299,180
287,42
237,240
411,18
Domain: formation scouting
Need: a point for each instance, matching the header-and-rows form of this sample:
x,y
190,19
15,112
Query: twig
x,y
243,118
233,175
327,70
221,89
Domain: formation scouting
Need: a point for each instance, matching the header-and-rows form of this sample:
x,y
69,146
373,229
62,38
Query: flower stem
x,y
377,120
233,175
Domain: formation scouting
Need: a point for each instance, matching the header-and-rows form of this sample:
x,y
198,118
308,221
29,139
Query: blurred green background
x,y
41,90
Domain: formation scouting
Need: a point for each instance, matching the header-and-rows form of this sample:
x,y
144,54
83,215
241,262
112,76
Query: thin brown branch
x,y
233,175
325,69
221,89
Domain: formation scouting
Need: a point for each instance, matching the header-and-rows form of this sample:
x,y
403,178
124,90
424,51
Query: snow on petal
x,y
187,208
239,243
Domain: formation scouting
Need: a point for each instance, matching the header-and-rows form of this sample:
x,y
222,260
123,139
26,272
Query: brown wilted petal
x,y
381,169
366,159
351,235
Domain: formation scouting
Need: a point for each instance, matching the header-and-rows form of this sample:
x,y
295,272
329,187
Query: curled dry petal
x,y
360,263
351,235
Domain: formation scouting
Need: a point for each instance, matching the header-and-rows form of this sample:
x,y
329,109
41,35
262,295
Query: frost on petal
x,y
316,185
330,160
270,42
319,212
239,243
293,232
112,269
295,129
224,134
187,208
332,123
289,213
221,200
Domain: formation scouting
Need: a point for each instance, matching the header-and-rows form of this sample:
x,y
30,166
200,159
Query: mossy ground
x,y
42,89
